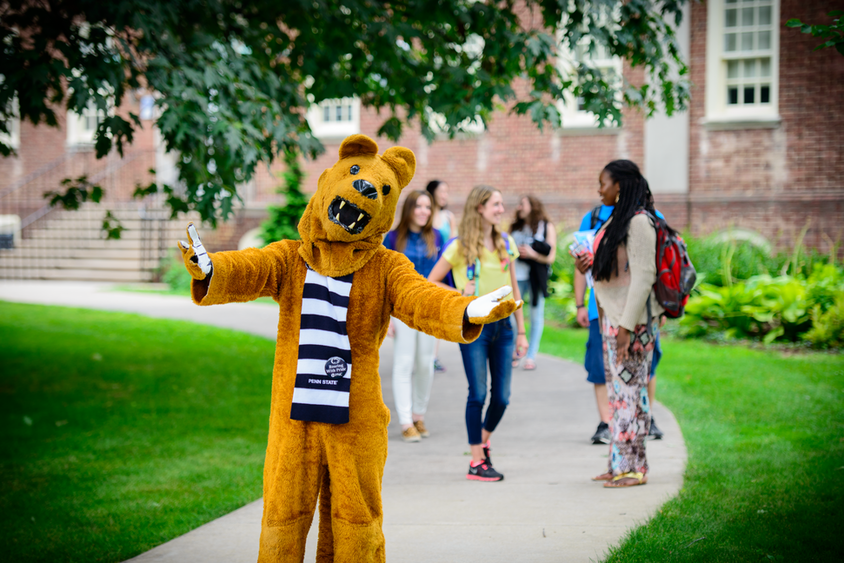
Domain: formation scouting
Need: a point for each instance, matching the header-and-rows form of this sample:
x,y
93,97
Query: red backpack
x,y
675,274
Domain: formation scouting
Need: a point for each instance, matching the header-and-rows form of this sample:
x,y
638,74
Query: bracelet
x,y
521,334
580,306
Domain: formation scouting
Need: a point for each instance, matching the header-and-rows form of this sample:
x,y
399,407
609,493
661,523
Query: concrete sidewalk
x,y
546,509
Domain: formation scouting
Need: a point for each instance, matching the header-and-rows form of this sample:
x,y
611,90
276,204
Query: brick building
x,y
761,146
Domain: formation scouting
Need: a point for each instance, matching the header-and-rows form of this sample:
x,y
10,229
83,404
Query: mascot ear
x,y
358,145
403,163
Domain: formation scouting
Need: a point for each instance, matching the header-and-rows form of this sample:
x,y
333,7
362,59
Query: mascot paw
x,y
197,261
489,308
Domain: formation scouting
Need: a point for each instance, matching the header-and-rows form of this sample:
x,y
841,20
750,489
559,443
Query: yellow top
x,y
492,274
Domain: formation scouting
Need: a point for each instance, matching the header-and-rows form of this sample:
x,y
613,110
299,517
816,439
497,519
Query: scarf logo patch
x,y
336,367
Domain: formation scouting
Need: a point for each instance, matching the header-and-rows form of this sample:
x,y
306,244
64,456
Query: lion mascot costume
x,y
336,290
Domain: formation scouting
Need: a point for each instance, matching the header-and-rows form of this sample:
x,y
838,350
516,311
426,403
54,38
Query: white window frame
x,y
572,116
718,111
13,137
78,132
334,129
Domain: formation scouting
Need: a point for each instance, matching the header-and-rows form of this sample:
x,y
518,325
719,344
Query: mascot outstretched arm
x,y
336,290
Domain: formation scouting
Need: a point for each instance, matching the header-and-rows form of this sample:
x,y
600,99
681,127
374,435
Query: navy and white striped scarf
x,y
324,370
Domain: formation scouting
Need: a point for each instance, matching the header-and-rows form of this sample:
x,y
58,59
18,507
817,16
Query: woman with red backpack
x,y
624,270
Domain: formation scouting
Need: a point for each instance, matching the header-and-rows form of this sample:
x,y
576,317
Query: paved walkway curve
x,y
546,510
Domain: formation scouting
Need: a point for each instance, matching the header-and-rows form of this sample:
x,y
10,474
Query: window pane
x,y
732,95
764,67
731,18
730,42
350,112
748,94
749,68
746,17
339,113
326,113
732,1
732,69
747,41
764,40
764,15
765,94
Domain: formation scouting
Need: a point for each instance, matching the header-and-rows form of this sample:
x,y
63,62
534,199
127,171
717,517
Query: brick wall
x,y
774,180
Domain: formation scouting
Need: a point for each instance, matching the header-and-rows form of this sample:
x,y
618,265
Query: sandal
x,y
516,362
603,477
530,365
626,480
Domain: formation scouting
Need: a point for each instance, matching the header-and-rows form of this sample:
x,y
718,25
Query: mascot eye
x,y
355,169
386,189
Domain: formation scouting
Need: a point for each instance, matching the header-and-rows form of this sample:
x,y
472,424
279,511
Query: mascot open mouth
x,y
348,215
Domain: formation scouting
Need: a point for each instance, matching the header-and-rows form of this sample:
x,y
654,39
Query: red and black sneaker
x,y
483,472
487,446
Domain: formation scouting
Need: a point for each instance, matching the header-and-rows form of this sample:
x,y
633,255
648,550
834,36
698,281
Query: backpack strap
x,y
595,216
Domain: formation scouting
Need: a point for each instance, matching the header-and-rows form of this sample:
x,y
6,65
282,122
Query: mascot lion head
x,y
354,205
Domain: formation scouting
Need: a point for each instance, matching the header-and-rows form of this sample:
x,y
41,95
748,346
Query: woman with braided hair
x,y
624,270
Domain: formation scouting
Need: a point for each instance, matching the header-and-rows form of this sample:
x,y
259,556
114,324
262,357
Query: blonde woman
x,y
481,260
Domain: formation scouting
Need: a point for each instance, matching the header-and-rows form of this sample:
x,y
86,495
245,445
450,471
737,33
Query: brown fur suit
x,y
342,464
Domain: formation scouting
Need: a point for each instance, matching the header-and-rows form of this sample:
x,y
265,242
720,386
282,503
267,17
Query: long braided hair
x,y
634,194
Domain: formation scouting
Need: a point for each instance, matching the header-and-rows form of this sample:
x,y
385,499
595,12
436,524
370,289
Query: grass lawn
x,y
765,436
121,432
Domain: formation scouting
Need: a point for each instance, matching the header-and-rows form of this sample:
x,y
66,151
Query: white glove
x,y
483,305
202,259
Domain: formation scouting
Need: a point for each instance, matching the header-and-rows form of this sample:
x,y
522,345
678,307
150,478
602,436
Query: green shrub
x,y
283,221
828,327
174,274
762,307
561,305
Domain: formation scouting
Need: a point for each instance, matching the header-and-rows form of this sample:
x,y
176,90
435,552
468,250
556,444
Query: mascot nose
x,y
366,189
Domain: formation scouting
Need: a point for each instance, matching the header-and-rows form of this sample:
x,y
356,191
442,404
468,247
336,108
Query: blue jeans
x,y
495,344
537,318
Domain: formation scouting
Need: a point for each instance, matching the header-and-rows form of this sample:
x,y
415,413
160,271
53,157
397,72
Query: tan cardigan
x,y
624,296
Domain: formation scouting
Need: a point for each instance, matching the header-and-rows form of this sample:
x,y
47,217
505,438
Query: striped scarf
x,y
324,370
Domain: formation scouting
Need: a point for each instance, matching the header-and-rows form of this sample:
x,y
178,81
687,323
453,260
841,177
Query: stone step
x,y
82,243
67,263
70,245
70,232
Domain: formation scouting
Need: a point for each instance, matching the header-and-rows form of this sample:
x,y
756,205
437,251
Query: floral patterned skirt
x,y
627,387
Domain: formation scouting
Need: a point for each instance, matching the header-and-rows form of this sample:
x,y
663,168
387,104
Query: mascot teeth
x,y
348,215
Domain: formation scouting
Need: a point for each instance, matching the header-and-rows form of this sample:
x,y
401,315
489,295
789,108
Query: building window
x,y
82,128
335,118
575,115
742,59
13,124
